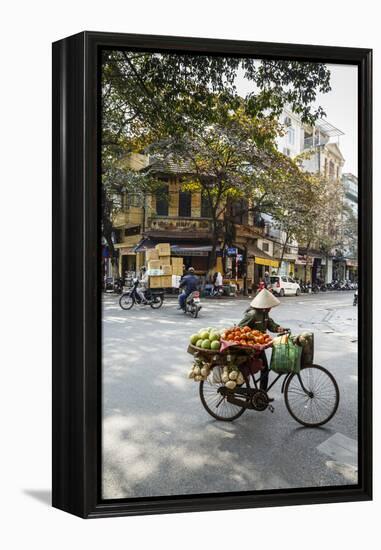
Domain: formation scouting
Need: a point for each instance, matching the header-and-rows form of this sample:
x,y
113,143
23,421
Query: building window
x,y
265,247
286,151
162,199
331,169
185,204
291,135
205,207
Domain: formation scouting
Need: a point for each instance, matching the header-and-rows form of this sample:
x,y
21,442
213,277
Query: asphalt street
x,y
159,440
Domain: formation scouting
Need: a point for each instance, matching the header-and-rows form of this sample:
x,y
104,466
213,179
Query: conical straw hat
x,y
264,300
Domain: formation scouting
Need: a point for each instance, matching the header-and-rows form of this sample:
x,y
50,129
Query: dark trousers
x,y
264,372
182,298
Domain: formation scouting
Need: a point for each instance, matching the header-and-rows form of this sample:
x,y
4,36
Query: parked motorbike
x,y
153,298
217,292
192,304
113,284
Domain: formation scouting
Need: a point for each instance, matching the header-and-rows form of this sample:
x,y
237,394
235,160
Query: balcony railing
x,y
132,215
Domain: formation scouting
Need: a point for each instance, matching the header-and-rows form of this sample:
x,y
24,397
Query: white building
x,y
322,141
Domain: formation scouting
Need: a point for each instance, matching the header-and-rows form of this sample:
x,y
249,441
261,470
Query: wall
x,y
28,28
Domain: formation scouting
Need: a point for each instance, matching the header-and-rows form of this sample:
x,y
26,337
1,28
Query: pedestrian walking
x,y
267,279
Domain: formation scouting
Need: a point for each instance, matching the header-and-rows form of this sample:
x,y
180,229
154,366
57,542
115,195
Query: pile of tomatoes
x,y
245,336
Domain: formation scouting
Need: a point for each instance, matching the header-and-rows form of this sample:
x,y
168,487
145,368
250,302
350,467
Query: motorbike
x,y
153,298
113,284
192,304
217,291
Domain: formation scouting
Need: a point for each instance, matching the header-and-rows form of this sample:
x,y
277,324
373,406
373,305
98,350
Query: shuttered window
x,y
185,204
162,200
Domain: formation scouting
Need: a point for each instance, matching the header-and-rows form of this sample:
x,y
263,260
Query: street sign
x,y
232,251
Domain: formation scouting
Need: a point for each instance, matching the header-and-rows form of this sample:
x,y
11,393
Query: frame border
x,y
76,308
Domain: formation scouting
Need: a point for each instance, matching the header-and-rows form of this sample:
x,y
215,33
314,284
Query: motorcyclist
x,y
257,318
189,283
142,286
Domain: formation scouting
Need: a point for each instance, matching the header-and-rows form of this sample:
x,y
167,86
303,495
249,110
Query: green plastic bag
x,y
285,356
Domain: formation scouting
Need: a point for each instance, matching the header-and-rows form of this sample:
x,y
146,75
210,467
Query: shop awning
x,y
127,251
191,250
261,257
262,261
179,248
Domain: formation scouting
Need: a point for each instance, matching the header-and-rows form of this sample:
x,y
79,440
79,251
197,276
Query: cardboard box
x,y
177,265
154,282
177,261
177,271
163,249
154,264
152,254
166,281
163,281
165,260
166,269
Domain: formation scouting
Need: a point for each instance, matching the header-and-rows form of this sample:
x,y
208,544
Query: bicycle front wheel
x,y
126,301
312,396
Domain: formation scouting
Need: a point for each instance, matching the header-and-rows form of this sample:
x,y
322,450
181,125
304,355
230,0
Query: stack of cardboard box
x,y
159,266
163,271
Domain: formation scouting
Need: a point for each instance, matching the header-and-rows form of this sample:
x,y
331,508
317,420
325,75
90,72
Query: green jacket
x,y
259,320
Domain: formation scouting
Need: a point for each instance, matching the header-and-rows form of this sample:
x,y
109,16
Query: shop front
x,y
194,254
262,263
352,270
303,268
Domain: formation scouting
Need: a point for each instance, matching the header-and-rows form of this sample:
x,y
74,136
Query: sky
x,y
340,105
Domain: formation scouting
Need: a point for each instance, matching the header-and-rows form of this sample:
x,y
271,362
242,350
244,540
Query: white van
x,y
284,286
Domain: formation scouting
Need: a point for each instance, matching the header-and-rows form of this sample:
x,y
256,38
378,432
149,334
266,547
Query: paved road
x,y
158,439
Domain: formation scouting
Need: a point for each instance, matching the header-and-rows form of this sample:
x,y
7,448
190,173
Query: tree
x,y
148,97
234,159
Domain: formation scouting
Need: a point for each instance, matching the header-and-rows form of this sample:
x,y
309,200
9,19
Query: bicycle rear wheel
x,y
312,396
213,398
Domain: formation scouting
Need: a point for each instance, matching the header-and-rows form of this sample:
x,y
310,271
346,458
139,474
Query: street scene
x,y
158,439
229,256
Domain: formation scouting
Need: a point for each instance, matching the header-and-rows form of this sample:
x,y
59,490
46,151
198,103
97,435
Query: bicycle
x,y
311,396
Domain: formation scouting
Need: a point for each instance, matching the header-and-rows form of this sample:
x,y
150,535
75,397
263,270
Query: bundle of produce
x,y
246,337
207,339
229,375
200,370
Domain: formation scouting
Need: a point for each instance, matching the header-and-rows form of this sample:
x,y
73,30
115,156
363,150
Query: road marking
x,y
341,449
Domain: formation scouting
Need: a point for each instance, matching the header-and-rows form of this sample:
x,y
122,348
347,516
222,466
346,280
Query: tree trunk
x,y
213,254
305,269
283,251
245,263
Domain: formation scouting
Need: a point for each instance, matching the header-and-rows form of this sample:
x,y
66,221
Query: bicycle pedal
x,y
271,408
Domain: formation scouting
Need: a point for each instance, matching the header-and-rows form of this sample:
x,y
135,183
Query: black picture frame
x,y
76,304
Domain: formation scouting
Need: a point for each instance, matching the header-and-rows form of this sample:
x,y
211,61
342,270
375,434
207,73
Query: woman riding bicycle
x,y
257,318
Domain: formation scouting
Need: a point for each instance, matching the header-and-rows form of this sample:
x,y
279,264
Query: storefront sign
x,y
232,251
